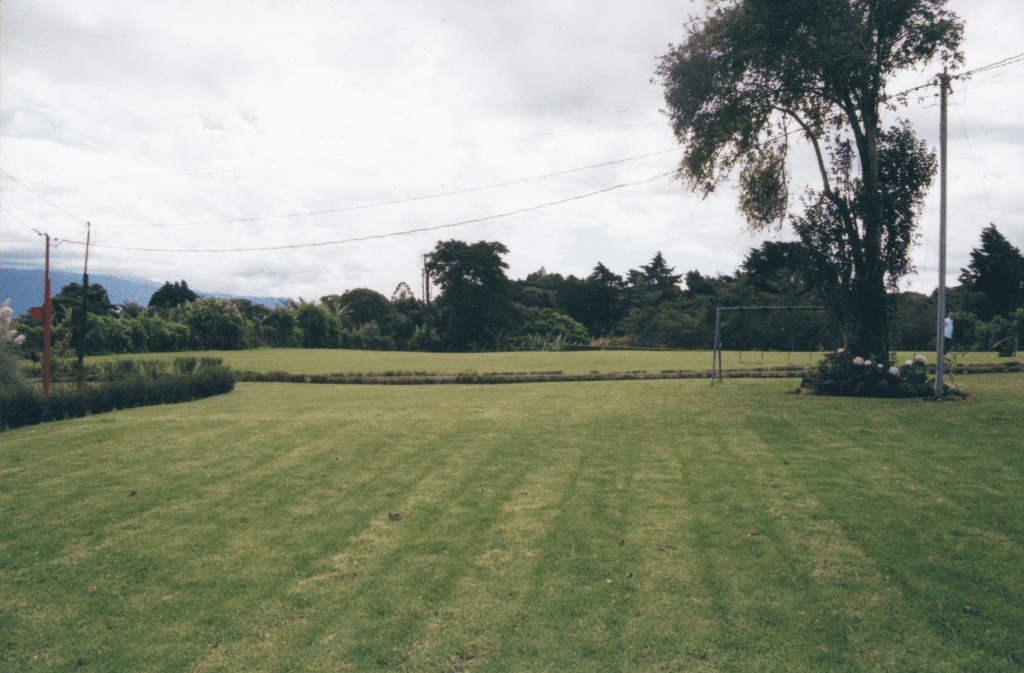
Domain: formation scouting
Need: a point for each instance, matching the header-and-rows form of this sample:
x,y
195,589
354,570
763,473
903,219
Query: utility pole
x,y
940,348
426,282
46,320
83,321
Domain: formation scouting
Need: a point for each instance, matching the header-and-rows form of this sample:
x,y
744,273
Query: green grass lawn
x,y
312,361
598,526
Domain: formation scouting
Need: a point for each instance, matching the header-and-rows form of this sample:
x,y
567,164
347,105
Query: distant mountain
x,y
24,287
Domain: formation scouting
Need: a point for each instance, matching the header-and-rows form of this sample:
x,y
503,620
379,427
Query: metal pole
x,y
940,347
46,320
714,352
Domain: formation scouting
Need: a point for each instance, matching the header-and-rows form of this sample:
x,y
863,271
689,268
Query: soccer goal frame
x,y
717,352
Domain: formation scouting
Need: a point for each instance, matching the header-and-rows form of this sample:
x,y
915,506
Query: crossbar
x,y
717,353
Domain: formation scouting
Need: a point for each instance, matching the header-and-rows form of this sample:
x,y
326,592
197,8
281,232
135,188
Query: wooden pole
x,y
46,320
84,319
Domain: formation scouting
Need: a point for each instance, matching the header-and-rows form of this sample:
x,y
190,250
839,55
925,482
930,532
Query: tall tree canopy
x,y
755,71
97,300
169,296
475,307
996,270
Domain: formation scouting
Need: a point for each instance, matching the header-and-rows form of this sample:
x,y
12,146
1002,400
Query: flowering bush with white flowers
x,y
10,374
844,374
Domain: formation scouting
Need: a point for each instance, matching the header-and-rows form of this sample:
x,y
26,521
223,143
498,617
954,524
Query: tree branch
x,y
849,225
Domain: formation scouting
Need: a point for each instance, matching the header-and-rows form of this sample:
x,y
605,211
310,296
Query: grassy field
x,y
309,361
599,526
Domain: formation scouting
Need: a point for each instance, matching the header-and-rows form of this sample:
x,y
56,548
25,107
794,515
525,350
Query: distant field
x,y
310,361
596,526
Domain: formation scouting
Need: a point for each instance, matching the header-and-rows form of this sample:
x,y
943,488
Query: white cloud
x,y
193,112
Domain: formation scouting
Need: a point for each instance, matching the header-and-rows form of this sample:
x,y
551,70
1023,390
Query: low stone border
x,y
419,378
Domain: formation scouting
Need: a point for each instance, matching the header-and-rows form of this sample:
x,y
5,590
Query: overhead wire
x,y
377,236
392,202
1003,63
332,157
69,214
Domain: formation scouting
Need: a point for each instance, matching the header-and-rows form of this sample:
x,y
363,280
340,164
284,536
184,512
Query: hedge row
x,y
29,405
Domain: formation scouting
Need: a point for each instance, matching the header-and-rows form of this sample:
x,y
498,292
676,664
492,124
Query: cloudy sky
x,y
222,125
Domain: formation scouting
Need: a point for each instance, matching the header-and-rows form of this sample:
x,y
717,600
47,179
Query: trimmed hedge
x,y
29,405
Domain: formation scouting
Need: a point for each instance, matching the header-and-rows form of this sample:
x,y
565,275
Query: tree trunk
x,y
871,337
871,334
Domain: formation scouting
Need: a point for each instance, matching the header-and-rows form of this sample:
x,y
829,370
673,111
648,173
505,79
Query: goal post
x,y
716,354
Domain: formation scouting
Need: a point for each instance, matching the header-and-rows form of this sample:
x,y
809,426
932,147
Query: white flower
x,y
895,371
908,363
859,361
920,358
18,339
841,350
5,311
867,362
881,366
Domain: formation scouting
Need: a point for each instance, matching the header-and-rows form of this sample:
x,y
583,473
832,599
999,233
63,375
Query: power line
x,y
22,222
72,215
394,202
389,235
331,157
991,66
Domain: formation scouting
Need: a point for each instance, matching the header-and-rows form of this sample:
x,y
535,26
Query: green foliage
x,y
475,309
753,71
537,342
278,328
169,296
319,326
97,302
365,306
128,387
131,309
846,375
545,326
10,340
996,273
668,325
426,339
214,324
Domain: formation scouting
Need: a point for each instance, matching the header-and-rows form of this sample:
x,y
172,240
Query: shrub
x,y
844,374
10,373
215,324
319,327
29,405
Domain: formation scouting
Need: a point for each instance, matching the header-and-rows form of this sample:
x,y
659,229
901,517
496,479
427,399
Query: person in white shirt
x,y
949,331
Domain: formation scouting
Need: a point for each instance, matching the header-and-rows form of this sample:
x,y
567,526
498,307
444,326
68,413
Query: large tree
x,y
996,271
70,299
169,296
475,308
755,74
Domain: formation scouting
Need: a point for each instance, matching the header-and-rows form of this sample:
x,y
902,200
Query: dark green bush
x,y
29,405
186,364
847,375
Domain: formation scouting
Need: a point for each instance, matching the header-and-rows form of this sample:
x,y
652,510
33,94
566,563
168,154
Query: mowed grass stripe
x,y
925,525
416,564
259,536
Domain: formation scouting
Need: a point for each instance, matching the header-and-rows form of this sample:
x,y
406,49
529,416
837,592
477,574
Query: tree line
x,y
479,308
